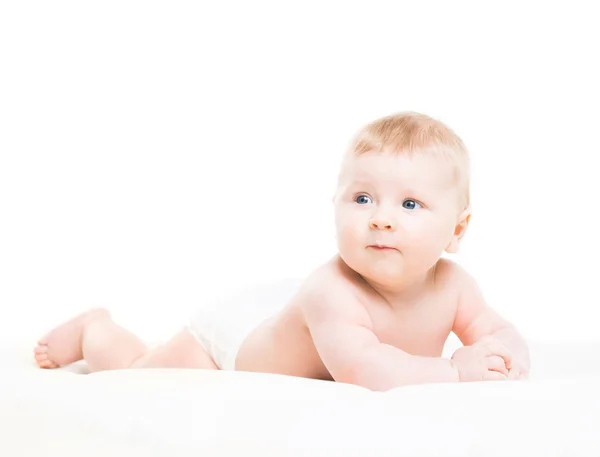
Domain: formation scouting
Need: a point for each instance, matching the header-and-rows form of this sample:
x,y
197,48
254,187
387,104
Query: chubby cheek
x,y
350,233
429,240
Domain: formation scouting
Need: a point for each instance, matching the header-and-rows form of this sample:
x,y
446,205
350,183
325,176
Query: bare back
x,y
285,344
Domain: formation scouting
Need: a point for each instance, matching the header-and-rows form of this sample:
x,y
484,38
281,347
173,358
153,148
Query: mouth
x,y
381,247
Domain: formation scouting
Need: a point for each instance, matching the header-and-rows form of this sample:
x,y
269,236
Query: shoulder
x,y
461,291
450,275
454,284
333,273
331,292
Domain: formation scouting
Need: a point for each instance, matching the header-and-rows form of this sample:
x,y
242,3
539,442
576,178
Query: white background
x,y
151,155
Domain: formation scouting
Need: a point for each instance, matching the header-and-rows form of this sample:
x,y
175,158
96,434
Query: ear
x,y
459,231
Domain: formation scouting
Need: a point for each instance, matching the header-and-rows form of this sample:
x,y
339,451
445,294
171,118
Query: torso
x,y
283,345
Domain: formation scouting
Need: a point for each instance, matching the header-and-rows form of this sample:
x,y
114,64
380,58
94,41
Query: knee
x,y
142,361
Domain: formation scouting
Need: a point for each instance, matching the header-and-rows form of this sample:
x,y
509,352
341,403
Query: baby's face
x,y
395,215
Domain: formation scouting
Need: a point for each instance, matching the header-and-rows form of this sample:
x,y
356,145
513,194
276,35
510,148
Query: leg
x,y
182,351
94,337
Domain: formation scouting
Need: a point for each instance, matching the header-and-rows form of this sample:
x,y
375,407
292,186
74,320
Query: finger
x,y
496,348
496,363
494,376
513,374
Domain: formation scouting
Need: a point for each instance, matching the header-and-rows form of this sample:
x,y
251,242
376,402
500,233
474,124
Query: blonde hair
x,y
416,133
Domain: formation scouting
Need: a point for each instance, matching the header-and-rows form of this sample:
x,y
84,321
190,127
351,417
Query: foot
x,y
62,345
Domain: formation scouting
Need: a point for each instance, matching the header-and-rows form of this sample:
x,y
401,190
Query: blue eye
x,y
362,200
411,204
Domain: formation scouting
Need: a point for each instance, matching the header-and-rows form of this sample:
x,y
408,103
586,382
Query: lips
x,y
382,247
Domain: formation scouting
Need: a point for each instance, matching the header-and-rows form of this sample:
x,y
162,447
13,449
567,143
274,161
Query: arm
x,y
475,320
343,336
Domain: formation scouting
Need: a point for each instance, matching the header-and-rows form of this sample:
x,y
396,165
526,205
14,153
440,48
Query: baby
x,y
377,314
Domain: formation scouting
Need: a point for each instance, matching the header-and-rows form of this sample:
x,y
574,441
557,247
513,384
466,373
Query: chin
x,y
383,273
382,278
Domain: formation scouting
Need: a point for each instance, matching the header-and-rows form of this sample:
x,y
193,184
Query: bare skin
x,y
337,324
376,315
94,337
284,345
406,326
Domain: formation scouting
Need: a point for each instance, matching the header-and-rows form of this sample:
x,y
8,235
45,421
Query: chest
x,y
419,329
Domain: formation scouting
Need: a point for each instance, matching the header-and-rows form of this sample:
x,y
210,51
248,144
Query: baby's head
x,y
402,197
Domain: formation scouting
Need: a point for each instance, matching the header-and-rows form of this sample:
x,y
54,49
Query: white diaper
x,y
222,325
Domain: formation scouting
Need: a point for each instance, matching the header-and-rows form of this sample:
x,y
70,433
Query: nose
x,y
382,222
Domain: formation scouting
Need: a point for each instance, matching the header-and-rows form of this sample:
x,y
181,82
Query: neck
x,y
403,292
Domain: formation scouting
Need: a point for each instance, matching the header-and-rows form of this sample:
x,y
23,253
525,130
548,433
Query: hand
x,y
486,360
518,372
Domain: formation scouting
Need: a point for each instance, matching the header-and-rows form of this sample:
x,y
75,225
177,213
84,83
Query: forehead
x,y
419,171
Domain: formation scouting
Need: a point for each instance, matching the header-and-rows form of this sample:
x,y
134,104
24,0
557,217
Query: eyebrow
x,y
368,183
360,183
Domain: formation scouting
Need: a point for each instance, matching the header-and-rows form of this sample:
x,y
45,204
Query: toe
x,y
46,363
41,349
41,357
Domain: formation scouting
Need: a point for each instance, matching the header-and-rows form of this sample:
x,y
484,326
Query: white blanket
x,y
208,413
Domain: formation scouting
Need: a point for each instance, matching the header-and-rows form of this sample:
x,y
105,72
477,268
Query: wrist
x,y
455,372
